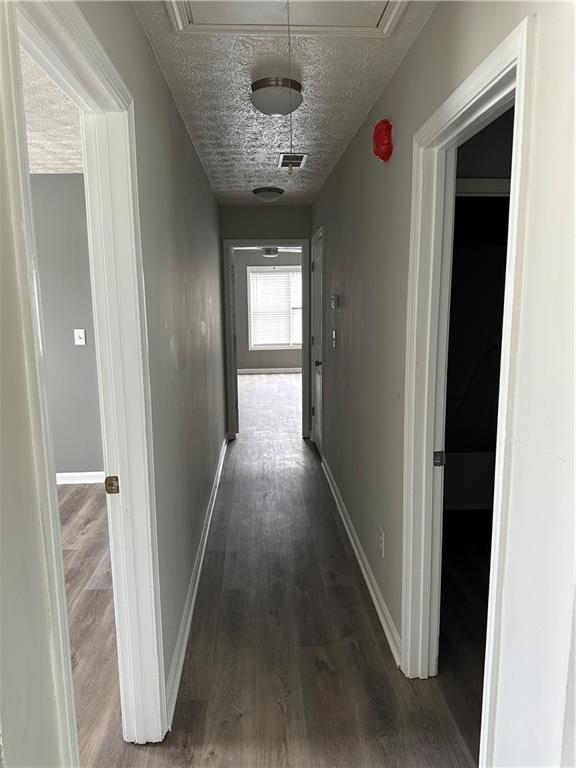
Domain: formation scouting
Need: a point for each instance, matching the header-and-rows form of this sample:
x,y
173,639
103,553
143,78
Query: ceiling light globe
x,y
268,194
276,95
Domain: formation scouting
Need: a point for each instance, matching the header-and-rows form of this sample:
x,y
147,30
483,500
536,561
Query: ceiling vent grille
x,y
294,159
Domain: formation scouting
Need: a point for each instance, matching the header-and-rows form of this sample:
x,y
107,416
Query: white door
x,y
316,346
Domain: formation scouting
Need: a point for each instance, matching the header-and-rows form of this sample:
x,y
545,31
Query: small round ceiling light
x,y
276,95
270,252
268,194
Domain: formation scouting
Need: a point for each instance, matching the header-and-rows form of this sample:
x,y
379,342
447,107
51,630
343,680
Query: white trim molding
x,y
392,635
501,80
253,371
181,15
177,664
80,478
59,38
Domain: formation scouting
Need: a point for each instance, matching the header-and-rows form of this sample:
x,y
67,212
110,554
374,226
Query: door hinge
x,y
313,410
439,458
112,484
312,340
312,266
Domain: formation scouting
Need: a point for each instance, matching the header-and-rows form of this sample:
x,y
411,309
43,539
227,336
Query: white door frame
x,y
228,246
501,80
318,234
62,42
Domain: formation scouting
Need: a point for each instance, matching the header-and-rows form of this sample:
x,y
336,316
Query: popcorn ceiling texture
x,y
210,77
52,123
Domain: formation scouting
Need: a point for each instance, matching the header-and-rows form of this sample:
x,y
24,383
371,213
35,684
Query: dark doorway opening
x,y
476,312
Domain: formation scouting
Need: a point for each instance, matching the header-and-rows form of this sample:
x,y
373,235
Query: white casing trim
x,y
377,598
80,478
181,15
177,664
252,371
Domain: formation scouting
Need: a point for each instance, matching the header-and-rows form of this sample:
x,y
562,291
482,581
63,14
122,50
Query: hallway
x,y
286,663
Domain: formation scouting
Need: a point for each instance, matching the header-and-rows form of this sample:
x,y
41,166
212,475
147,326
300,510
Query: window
x,y
274,307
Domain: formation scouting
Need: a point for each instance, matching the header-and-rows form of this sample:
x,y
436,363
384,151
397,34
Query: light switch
x,y
79,337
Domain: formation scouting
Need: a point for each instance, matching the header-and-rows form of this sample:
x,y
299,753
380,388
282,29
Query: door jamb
x,y
228,245
501,80
319,233
59,38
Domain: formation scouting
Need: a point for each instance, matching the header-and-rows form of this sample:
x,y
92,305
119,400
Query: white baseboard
x,y
392,634
79,478
243,371
175,673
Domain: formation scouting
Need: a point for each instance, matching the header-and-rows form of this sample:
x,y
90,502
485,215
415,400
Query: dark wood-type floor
x,y
286,663
464,613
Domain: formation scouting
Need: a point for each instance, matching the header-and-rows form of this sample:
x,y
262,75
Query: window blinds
x,y
275,307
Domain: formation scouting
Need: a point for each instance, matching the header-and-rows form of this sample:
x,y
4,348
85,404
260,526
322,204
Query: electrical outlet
x,y
381,541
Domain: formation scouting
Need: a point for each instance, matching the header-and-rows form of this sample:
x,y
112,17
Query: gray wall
x,y
265,220
365,207
181,255
268,358
61,240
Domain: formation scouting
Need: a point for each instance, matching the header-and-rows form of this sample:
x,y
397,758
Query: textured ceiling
x,y
210,77
52,123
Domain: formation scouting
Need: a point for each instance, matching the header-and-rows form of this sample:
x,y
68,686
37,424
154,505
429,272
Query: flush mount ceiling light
x,y
270,253
276,95
268,194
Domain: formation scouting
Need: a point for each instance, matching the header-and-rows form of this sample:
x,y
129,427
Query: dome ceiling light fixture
x,y
268,194
276,95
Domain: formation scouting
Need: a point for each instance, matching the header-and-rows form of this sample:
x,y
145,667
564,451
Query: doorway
x,y
268,318
499,83
74,416
266,300
60,41
474,352
56,167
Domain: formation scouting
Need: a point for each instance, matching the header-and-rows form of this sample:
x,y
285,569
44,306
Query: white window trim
x,y
268,268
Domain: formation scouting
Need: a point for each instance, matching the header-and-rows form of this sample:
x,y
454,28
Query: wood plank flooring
x,y
286,663
86,551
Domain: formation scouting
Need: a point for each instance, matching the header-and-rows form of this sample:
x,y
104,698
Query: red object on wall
x,y
382,140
